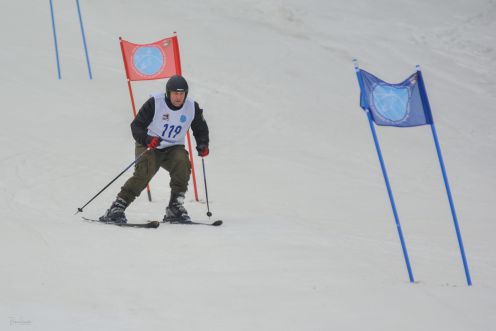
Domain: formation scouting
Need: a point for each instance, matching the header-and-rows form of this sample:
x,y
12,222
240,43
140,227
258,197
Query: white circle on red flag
x,y
148,60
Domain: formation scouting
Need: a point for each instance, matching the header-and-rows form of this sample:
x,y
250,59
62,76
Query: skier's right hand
x,y
152,142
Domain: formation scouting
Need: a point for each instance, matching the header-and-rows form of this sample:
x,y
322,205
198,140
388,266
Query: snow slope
x,y
309,241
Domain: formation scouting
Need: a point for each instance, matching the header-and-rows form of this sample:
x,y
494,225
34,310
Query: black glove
x,y
202,150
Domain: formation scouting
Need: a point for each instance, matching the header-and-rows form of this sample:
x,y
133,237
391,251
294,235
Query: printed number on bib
x,y
172,131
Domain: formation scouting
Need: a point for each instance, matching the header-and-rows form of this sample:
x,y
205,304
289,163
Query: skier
x,y
161,125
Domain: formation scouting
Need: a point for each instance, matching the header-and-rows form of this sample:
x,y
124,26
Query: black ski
x,y
148,225
215,223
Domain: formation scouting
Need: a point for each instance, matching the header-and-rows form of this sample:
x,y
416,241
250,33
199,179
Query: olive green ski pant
x,y
174,159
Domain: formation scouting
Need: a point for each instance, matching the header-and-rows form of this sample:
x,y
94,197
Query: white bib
x,y
171,125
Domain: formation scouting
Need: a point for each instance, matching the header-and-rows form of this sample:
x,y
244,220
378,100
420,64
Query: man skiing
x,y
161,125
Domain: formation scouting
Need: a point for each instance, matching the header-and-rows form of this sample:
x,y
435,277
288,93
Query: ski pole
x,y
80,210
206,191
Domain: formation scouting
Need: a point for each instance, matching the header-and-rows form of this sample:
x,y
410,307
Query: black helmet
x,y
176,83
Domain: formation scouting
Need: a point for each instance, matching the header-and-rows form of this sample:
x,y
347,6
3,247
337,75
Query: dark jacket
x,y
139,126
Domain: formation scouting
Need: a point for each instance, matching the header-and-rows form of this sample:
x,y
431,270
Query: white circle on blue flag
x,y
148,60
391,102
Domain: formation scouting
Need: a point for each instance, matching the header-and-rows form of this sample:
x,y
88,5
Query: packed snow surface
x,y
309,240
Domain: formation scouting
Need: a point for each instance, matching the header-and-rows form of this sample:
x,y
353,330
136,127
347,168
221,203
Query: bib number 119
x,y
172,129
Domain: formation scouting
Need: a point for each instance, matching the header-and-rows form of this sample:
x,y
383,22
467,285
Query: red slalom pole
x,y
195,189
179,72
148,191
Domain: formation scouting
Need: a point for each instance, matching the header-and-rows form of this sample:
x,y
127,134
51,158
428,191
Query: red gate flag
x,y
156,60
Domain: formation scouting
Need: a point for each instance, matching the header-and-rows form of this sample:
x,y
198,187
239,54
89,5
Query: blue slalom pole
x,y
386,179
55,40
391,197
425,101
84,39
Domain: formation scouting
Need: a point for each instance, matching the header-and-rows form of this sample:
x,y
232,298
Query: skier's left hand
x,y
202,150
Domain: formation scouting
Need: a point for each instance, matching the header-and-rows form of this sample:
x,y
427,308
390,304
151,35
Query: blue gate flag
x,y
401,105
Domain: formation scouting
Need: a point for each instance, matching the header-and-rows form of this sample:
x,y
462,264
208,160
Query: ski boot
x,y
175,211
115,214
